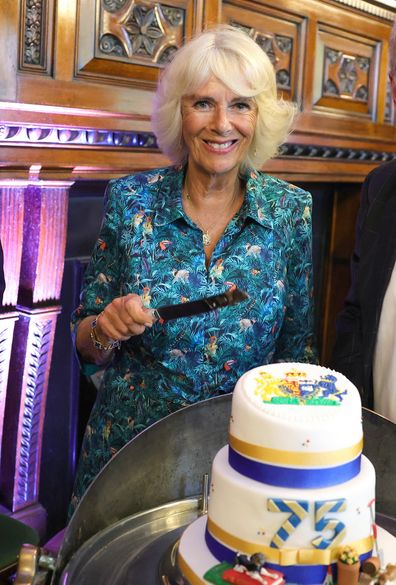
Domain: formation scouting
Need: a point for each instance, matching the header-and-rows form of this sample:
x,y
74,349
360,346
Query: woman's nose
x,y
222,121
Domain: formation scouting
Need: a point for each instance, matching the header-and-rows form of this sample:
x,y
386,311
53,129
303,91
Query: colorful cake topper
x,y
247,570
297,388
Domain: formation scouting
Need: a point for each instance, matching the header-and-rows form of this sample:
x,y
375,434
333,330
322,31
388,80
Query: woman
x,y
196,229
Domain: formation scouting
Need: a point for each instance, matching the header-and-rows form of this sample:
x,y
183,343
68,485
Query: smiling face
x,y
218,128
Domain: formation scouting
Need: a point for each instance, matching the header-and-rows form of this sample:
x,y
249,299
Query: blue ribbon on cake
x,y
301,574
297,477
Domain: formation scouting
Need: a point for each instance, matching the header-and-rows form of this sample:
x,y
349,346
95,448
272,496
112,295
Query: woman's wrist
x,y
97,338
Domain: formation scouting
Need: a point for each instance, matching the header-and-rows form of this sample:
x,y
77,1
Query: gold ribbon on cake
x,y
296,458
188,573
287,556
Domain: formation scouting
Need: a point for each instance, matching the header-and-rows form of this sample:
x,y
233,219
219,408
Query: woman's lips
x,y
220,146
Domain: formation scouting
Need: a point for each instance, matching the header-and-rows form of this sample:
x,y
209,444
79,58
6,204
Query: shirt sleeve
x,y
296,340
101,280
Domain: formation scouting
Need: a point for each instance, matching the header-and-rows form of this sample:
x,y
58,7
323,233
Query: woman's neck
x,y
202,188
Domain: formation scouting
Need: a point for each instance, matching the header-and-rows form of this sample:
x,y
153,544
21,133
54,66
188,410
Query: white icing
x,y
239,505
295,428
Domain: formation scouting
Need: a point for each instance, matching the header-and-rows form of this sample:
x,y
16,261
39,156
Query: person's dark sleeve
x,y
347,356
2,279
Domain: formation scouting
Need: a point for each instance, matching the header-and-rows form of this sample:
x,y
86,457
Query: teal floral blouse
x,y
147,245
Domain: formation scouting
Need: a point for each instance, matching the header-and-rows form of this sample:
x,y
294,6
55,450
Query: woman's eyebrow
x,y
195,96
198,96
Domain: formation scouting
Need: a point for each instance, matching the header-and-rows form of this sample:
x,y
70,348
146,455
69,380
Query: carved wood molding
x,y
35,25
370,8
36,334
334,153
130,39
279,49
90,137
346,75
7,323
141,32
138,141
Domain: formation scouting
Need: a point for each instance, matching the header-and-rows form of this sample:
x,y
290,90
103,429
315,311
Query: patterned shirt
x,y
149,246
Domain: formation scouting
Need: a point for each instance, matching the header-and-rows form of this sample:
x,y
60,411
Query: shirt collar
x,y
168,205
256,205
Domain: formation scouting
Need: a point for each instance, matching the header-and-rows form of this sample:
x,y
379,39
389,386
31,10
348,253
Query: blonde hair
x,y
234,58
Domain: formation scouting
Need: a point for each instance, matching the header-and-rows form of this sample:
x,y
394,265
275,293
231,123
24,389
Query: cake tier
x,y
290,415
289,525
195,559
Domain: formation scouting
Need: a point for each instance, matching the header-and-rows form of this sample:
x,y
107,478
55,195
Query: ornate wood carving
x,y
34,334
141,32
90,137
334,153
279,36
370,8
34,35
7,323
389,113
130,39
346,76
346,72
279,49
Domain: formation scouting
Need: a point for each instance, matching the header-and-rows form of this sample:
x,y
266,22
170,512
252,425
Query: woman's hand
x,y
121,319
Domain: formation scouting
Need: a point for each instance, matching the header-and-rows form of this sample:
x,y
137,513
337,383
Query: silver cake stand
x,y
137,550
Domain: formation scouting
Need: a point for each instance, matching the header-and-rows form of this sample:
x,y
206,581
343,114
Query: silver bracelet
x,y
96,341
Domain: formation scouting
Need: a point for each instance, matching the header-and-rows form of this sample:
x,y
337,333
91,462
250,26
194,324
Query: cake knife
x,y
230,297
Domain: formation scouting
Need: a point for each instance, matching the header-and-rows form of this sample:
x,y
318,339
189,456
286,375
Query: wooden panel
x,y
346,72
65,42
211,13
9,50
35,36
130,40
337,282
280,35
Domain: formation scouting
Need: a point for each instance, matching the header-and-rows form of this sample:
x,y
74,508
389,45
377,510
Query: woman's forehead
x,y
212,86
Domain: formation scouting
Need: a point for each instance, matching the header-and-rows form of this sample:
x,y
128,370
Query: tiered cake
x,y
292,483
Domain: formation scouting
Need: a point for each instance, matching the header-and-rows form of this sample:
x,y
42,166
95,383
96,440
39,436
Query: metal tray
x,y
134,550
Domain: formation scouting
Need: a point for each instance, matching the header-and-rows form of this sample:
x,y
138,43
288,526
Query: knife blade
x,y
228,298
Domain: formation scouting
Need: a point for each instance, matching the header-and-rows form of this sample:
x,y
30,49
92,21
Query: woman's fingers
x,y
137,313
112,325
124,317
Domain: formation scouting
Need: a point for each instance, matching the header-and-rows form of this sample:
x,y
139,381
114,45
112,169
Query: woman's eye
x,y
202,105
242,106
